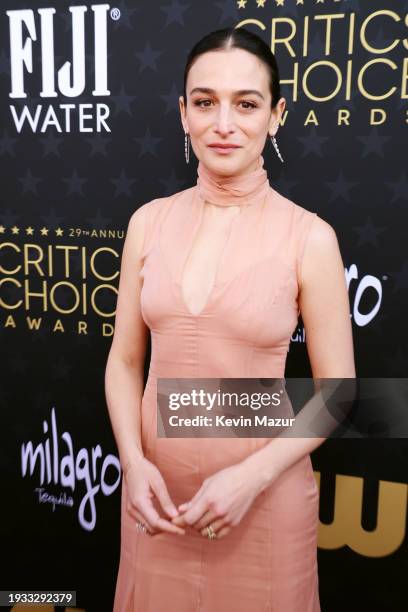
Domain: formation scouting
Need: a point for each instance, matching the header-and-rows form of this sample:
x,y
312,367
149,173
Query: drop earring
x,y
275,144
187,147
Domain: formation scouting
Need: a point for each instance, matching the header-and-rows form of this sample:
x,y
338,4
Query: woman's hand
x,y
144,481
222,500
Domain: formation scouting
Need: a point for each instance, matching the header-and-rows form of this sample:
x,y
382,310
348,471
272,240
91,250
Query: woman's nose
x,y
223,121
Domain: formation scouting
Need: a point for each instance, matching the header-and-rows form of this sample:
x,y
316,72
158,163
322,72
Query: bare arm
x,y
325,309
125,364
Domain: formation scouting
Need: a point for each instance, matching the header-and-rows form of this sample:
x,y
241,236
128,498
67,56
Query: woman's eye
x,y
251,105
248,105
199,102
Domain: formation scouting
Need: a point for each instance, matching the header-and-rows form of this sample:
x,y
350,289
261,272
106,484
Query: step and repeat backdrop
x,y
90,130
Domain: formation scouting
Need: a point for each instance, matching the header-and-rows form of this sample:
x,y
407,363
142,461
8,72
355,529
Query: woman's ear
x,y
183,114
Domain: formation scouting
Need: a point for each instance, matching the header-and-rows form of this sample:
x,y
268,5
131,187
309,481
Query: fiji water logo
x,y
26,27
68,470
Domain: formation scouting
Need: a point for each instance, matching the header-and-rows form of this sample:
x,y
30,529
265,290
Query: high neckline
x,y
244,189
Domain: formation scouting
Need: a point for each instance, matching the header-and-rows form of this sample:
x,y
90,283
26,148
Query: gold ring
x,y
211,533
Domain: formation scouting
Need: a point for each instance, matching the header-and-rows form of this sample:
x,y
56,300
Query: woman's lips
x,y
223,150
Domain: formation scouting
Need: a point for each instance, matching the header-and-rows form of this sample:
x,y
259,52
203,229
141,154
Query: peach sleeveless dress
x,y
268,562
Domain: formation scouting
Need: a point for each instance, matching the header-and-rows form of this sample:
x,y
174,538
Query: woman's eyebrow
x,y
239,92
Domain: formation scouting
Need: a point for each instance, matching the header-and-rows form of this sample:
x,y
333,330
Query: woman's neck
x,y
241,189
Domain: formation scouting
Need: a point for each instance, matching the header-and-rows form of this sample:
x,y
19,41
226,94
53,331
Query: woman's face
x,y
217,113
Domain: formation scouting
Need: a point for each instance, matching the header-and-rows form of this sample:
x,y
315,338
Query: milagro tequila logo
x,y
85,466
367,284
70,79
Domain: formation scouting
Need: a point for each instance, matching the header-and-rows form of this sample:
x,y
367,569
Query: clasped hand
x,y
222,501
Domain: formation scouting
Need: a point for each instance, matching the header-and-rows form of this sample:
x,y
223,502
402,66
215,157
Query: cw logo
x,y
346,529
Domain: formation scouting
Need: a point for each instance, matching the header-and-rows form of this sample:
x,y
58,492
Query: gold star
x,y
299,2
280,2
319,1
2,229
44,231
260,3
241,3
29,231
15,230
59,232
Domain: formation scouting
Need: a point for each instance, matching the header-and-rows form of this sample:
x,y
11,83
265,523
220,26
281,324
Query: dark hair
x,y
238,38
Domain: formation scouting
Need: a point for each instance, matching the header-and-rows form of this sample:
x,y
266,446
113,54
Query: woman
x,y
219,272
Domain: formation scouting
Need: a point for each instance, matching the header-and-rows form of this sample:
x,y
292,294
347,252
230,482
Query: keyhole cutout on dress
x,y
202,263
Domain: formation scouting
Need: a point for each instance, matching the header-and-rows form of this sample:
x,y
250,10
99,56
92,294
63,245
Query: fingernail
x,y
173,512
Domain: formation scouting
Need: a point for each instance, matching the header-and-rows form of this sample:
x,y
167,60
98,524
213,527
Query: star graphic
x,y
44,231
340,187
59,232
312,143
75,183
125,15
171,99
29,231
229,11
175,12
2,229
123,101
399,188
148,143
122,184
15,230
7,144
401,277
241,4
368,233
373,142
8,217
29,182
280,2
99,221
299,2
285,186
51,144
260,3
172,184
98,142
147,57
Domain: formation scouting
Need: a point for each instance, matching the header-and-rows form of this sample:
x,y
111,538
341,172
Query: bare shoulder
x,y
321,242
139,222
138,218
321,232
322,252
